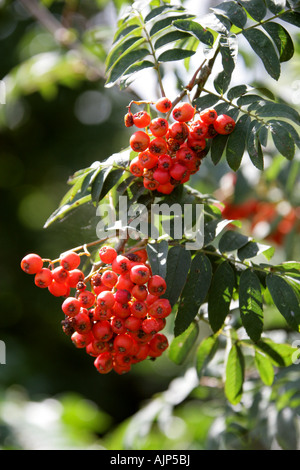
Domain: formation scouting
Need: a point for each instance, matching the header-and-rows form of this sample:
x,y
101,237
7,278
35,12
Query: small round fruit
x,y
183,112
141,119
139,141
107,254
32,263
159,127
224,124
163,105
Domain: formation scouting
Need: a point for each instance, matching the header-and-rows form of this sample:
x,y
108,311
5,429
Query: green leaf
x,y
111,180
232,240
206,101
157,255
291,17
281,354
279,110
254,146
178,265
285,299
220,295
282,139
290,268
205,353
126,29
264,367
235,369
181,345
119,50
98,183
282,40
276,6
237,91
229,51
175,54
170,37
237,142
62,211
166,22
256,8
252,249
265,49
251,304
121,66
194,28
233,12
161,9
194,292
218,146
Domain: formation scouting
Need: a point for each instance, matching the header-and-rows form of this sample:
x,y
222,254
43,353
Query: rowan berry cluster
x,y
169,153
118,319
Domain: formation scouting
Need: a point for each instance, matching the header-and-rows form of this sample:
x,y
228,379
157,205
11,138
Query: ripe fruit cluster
x,y
168,154
119,319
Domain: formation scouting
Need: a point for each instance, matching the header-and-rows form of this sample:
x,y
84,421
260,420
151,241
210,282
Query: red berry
x,y
163,105
162,176
132,323
139,274
101,313
178,172
109,279
82,323
197,145
159,127
165,162
160,308
208,115
43,278
60,275
104,362
147,159
121,310
81,340
136,167
124,282
87,299
157,285
71,306
102,330
32,263
96,347
107,254
139,141
58,289
224,124
141,354
158,146
139,292
165,188
106,299
75,276
150,326
183,112
70,260
198,129
118,325
141,119
178,131
186,156
138,309
122,296
123,343
150,184
158,344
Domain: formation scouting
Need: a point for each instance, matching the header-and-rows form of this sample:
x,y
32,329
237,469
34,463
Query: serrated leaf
x,y
233,12
282,139
178,265
235,369
205,353
231,241
220,295
118,51
236,143
157,255
256,8
285,299
251,304
194,292
194,28
126,29
264,48
282,40
253,145
175,54
181,345
126,61
264,367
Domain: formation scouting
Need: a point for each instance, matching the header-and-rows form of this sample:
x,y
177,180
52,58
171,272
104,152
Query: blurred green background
x,y
58,118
